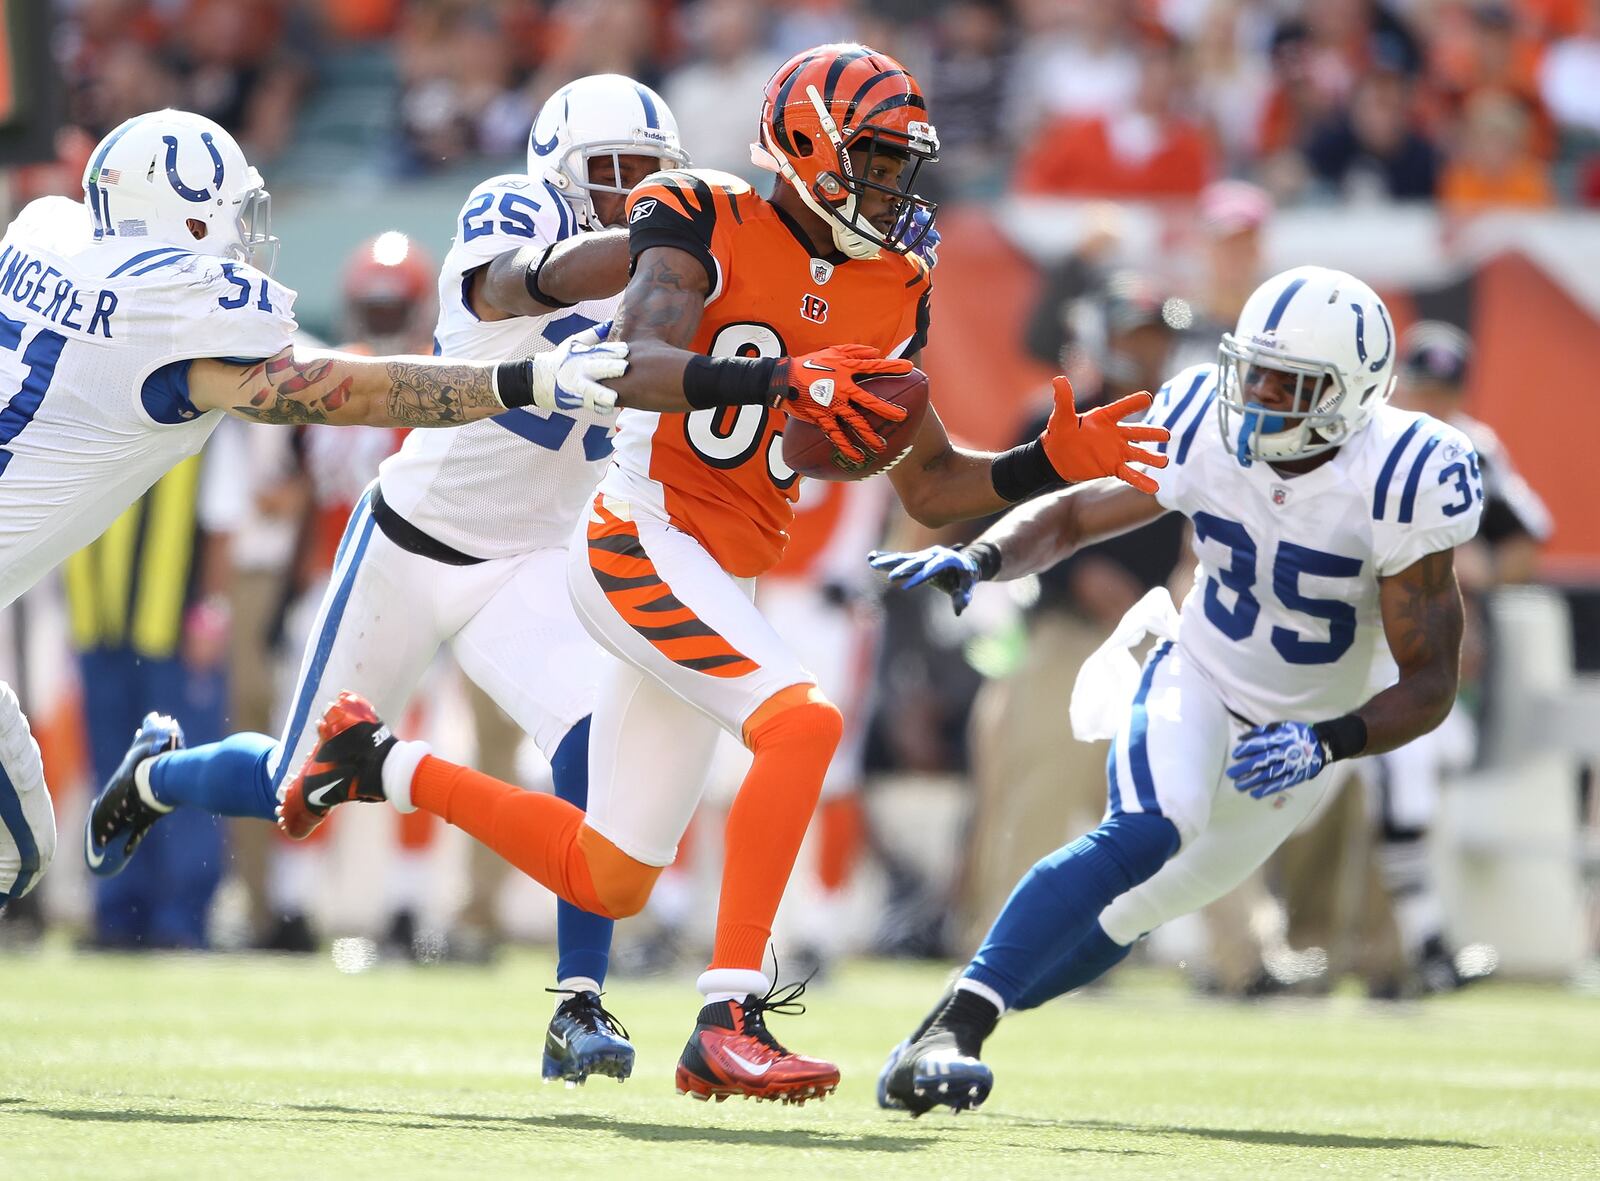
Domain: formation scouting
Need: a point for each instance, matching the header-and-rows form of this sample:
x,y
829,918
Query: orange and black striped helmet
x,y
824,103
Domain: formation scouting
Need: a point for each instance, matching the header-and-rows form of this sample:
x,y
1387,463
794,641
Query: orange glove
x,y
822,390
1088,446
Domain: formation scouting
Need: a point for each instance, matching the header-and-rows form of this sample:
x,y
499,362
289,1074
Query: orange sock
x,y
842,831
541,835
768,821
416,831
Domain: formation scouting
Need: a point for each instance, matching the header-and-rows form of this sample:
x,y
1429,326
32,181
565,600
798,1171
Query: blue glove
x,y
1276,757
927,249
947,569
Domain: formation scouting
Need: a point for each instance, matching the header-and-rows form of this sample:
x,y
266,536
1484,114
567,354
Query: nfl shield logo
x,y
1280,494
821,271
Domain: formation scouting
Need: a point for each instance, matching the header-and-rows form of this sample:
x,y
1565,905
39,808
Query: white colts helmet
x,y
158,173
600,115
1331,332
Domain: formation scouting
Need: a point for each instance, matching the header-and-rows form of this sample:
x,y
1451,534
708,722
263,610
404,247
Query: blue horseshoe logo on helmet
x,y
545,147
1361,337
184,190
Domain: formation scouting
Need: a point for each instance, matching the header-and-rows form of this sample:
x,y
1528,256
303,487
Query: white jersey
x,y
1284,617
95,408
518,481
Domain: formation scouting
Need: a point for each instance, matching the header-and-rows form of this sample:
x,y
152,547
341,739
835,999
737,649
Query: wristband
x,y
709,382
513,383
985,556
1342,738
1023,472
530,280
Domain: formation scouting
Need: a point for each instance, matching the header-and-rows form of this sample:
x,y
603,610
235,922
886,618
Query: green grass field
x,y
257,1067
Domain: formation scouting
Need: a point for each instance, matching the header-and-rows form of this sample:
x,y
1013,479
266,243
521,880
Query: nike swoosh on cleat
x,y
560,1039
95,860
758,1071
319,798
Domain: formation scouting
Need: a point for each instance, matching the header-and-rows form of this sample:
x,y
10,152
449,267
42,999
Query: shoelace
x,y
592,1012
784,999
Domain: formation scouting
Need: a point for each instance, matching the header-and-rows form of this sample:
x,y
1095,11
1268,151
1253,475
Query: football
x,y
807,450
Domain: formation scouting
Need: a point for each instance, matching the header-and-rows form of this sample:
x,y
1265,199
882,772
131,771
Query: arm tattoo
x,y
1426,619
290,391
1422,620
663,302
437,395
284,390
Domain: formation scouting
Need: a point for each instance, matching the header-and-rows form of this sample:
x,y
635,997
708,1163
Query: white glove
x,y
568,377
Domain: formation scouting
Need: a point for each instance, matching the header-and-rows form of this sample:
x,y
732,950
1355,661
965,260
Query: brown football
x,y
807,450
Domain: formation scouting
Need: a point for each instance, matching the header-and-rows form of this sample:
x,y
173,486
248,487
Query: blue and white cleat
x,y
930,1072
885,1100
585,1039
125,808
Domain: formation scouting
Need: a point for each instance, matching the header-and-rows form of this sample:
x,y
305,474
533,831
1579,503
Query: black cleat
x,y
585,1039
121,814
930,1072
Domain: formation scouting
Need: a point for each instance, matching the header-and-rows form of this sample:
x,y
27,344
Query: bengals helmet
x,y
388,294
825,101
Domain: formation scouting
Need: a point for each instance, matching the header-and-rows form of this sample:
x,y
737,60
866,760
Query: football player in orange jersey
x,y
735,306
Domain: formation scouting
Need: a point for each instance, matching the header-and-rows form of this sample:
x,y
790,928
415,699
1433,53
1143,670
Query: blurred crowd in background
x,y
1235,108
1468,102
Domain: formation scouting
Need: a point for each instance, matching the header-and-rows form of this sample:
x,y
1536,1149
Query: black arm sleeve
x,y
675,210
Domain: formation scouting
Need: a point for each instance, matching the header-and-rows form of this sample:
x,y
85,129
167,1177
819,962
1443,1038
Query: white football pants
x,y
386,613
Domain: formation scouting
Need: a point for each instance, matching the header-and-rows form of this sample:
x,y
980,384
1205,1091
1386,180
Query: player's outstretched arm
x,y
538,279
1422,620
298,386
940,483
1032,537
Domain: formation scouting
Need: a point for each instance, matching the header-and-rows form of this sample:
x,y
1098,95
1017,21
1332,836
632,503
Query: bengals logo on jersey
x,y
814,308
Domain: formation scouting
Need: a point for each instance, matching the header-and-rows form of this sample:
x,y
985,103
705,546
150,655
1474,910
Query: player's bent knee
x,y
800,714
621,884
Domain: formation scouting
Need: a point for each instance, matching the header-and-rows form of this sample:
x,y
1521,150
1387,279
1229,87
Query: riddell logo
x,y
814,308
642,210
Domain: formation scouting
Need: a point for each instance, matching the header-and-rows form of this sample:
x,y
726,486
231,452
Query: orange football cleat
x,y
346,766
731,1052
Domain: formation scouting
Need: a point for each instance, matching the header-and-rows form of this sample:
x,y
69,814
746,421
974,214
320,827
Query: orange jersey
x,y
719,475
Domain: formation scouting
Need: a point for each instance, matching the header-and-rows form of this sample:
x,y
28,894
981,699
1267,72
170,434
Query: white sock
x,y
398,769
141,783
968,984
732,984
576,984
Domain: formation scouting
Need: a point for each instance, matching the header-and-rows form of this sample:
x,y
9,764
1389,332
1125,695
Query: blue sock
x,y
228,778
1059,900
1096,954
583,940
